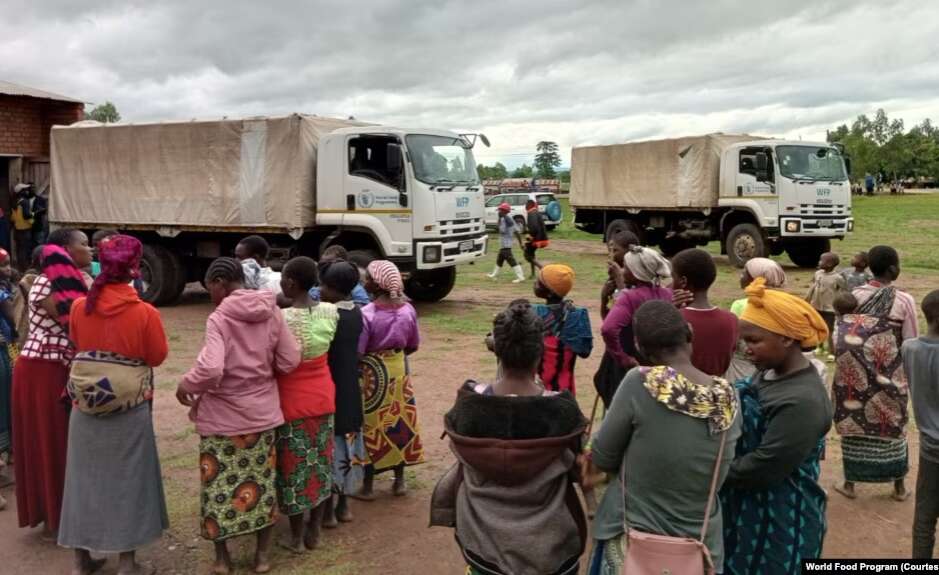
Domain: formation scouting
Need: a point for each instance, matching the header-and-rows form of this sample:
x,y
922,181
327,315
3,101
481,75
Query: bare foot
x,y
344,513
3,503
311,539
846,490
89,567
292,545
900,495
329,521
220,568
261,564
364,495
400,487
138,570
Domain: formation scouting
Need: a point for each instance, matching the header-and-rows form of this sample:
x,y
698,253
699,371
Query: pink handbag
x,y
650,554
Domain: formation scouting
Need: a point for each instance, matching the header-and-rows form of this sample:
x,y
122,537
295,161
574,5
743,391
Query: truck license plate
x,y
466,246
824,223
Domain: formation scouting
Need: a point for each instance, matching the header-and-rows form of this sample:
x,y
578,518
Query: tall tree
x,y
498,171
547,160
105,113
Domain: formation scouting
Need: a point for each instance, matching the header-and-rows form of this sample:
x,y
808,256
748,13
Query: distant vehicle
x,y
521,186
547,205
758,197
191,190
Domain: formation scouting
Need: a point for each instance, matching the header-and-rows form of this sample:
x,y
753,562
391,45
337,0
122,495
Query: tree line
x,y
546,164
883,148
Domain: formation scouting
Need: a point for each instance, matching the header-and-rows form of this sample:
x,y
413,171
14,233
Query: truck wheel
x,y
182,278
520,224
430,285
159,273
620,225
745,241
805,253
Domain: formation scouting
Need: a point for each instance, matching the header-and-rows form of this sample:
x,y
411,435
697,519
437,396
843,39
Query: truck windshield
x,y
811,163
441,160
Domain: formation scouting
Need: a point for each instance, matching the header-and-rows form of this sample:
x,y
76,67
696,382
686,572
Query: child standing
x,y
921,364
253,252
508,233
235,405
714,331
567,333
335,253
827,285
857,275
308,401
338,279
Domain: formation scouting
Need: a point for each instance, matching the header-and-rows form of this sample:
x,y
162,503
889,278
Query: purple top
x,y
621,317
386,327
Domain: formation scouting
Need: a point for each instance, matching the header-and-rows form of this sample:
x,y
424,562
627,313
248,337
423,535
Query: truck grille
x,y
823,209
460,227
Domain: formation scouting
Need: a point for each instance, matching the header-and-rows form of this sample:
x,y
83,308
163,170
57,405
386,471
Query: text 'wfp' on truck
x,y
191,190
758,197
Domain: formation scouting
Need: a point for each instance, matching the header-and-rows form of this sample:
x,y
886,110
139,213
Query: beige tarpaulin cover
x,y
682,172
257,172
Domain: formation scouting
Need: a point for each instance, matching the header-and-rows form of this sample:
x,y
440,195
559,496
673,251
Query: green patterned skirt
x,y
304,463
238,495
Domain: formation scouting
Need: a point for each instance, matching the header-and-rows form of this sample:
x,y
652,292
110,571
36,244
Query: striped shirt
x,y
902,312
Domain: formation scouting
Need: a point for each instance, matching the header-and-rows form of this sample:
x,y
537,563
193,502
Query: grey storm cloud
x,y
520,70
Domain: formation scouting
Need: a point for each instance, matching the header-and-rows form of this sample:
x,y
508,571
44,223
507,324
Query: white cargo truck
x,y
758,197
191,190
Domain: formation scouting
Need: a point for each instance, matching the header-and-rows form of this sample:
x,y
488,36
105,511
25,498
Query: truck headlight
x,y
850,225
793,226
432,254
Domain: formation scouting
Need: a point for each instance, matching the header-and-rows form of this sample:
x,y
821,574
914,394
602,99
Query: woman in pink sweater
x,y
232,391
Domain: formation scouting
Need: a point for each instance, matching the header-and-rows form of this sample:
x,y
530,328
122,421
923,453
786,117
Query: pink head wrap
x,y
120,262
388,278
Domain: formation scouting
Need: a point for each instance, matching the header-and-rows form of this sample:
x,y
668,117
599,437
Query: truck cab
x,y
780,196
410,196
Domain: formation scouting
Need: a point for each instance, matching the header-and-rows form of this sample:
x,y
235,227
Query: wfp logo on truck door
x,y
462,202
366,199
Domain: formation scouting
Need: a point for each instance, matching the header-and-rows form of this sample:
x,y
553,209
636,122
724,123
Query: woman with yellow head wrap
x,y
786,415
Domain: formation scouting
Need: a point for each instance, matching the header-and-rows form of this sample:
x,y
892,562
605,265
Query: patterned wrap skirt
x,y
392,436
6,399
238,484
870,459
608,556
349,463
304,463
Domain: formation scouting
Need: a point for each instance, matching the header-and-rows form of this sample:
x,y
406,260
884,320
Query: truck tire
x,y
159,272
805,253
430,285
520,224
182,278
745,241
620,225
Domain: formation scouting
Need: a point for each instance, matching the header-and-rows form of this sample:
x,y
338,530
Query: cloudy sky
x,y
519,70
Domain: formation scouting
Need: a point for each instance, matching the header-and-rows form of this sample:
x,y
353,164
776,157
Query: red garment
x,y
557,365
308,391
40,440
120,323
715,338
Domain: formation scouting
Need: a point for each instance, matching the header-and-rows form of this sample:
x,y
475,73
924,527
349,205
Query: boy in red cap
x,y
567,333
508,231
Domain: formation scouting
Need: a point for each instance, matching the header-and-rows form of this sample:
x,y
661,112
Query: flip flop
x,y
840,489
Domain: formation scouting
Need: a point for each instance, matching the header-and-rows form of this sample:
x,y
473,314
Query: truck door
x,y
377,183
755,184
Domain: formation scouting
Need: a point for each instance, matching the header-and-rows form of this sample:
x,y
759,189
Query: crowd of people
x,y
715,420
713,428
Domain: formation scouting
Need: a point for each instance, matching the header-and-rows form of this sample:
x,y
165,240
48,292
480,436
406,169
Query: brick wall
x,y
25,123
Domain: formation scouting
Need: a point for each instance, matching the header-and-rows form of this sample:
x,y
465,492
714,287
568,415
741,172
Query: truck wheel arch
x,y
353,239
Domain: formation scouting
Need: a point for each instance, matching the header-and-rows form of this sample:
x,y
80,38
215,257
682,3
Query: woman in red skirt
x,y
40,408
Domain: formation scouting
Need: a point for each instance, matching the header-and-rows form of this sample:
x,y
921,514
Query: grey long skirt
x,y
113,498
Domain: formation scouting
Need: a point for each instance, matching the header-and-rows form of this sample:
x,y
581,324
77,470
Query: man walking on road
x,y
508,232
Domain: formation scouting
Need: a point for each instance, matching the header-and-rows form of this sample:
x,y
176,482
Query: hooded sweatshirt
x,y
246,342
510,496
120,323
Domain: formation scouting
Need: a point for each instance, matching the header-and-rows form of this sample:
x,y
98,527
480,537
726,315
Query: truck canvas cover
x,y
255,172
676,173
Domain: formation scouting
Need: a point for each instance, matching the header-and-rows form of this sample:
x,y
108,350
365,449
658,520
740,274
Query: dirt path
x,y
391,535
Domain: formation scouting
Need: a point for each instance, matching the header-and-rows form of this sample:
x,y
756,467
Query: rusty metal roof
x,y
11,89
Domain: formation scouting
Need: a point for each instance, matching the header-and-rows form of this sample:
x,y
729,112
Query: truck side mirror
x,y
762,163
847,165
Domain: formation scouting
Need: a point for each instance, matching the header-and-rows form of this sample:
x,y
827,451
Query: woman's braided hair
x,y
518,336
225,269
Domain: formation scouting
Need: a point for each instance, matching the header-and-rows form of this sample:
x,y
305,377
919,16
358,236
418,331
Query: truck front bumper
x,y
441,253
819,227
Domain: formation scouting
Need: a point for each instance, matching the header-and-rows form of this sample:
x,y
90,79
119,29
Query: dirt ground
x,y
390,535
